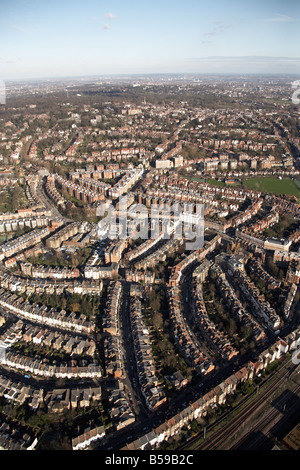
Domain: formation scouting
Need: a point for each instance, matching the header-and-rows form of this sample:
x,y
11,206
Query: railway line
x,y
259,432
228,427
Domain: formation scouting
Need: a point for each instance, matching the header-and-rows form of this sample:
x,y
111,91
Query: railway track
x,y
230,427
263,424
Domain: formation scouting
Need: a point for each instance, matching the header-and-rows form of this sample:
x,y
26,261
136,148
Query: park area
x,y
284,186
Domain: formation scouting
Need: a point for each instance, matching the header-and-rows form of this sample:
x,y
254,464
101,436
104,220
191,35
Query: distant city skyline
x,y
42,39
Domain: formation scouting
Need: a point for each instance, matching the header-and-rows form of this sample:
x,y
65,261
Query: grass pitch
x,y
286,186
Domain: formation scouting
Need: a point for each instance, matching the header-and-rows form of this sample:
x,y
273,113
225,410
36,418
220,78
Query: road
x,y
47,203
127,350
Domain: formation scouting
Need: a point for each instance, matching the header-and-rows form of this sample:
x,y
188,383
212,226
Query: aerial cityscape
x,y
149,239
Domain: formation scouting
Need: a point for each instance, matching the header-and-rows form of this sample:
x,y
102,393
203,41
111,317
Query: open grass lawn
x,y
216,183
273,185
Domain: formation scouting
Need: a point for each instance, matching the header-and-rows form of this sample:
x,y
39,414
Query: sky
x,y
64,38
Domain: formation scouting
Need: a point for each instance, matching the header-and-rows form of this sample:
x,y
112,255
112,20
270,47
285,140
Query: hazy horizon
x,y
136,76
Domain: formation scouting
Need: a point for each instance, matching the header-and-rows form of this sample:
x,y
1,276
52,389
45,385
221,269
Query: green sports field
x,y
273,185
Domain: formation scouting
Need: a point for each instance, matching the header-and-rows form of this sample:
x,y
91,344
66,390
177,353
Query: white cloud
x,y
111,16
280,19
218,28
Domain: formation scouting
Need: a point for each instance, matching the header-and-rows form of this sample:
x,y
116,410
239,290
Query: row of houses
x,y
176,200
50,286
287,307
114,366
266,314
293,272
236,309
12,247
143,248
18,393
126,182
258,226
189,260
201,272
285,257
71,345
58,400
134,275
44,315
30,213
248,214
282,204
54,195
97,172
186,186
63,234
149,383
171,198
185,202
100,271
185,190
80,192
119,409
12,225
24,255
84,438
10,335
159,255
213,338
272,244
31,192
49,272
183,338
40,368
110,318
13,437
93,185
237,144
256,267
110,326
217,396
